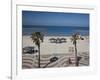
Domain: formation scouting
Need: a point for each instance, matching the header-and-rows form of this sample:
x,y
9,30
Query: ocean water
x,y
55,30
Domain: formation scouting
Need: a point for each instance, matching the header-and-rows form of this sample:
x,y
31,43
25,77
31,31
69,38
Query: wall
x,y
5,37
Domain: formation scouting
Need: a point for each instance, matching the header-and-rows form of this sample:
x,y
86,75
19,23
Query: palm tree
x,y
37,38
74,39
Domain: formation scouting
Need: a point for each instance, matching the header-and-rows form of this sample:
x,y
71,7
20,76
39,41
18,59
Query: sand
x,y
63,51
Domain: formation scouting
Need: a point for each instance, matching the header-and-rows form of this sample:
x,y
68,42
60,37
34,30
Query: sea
x,y
55,30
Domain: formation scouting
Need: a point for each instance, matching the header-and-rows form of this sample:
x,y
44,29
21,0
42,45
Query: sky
x,y
55,23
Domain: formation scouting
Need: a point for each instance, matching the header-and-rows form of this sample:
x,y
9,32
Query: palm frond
x,y
37,37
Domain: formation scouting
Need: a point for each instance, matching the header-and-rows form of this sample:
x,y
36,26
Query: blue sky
x,y
55,23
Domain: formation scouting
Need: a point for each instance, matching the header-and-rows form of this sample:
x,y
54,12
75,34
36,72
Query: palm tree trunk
x,y
39,56
76,58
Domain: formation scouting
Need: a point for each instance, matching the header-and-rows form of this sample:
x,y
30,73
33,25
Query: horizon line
x,y
52,25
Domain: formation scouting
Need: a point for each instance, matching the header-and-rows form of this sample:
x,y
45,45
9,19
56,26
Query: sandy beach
x,y
63,51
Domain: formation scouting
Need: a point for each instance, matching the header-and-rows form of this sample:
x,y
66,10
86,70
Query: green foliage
x,y
37,38
74,39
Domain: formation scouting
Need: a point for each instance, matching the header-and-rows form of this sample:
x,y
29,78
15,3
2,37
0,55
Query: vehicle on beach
x,y
29,50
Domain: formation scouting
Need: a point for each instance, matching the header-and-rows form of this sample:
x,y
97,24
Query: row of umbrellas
x,y
57,40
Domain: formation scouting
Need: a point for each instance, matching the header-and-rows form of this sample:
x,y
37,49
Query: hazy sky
x,y
55,19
